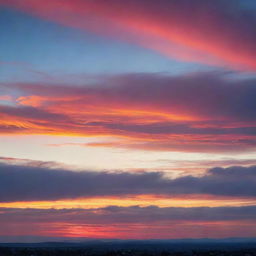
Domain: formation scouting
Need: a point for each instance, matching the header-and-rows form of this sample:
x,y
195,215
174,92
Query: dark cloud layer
x,y
131,222
33,183
133,214
212,95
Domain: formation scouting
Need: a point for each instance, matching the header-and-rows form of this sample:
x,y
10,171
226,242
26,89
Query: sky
x,y
127,119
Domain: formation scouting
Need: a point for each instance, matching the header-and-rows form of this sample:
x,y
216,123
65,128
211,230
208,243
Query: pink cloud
x,y
203,31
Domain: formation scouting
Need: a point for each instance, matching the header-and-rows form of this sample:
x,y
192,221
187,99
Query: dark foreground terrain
x,y
83,252
130,248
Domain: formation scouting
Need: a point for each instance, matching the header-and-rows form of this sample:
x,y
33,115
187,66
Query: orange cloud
x,y
140,200
194,113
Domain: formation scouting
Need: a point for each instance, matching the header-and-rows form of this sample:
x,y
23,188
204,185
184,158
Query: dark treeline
x,y
16,251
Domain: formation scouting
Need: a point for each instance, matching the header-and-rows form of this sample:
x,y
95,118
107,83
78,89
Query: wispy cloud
x,y
218,32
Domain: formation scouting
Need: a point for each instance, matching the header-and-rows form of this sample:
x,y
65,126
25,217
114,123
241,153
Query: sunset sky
x,y
132,119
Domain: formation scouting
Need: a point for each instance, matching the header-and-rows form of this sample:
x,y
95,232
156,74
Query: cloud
x,y
131,222
5,98
199,96
27,112
132,214
210,112
220,33
36,183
